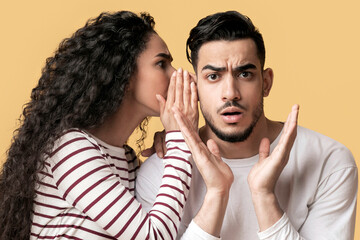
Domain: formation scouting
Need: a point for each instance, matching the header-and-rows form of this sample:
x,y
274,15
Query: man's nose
x,y
230,89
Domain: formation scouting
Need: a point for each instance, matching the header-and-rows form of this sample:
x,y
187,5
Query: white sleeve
x,y
282,229
331,215
195,232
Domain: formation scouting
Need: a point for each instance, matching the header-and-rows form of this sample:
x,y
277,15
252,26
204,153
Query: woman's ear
x,y
268,76
132,82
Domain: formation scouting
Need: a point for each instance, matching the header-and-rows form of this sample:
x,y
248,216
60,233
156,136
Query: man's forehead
x,y
222,52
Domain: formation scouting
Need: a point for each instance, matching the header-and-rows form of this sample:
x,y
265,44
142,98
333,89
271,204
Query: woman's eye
x,y
212,77
161,64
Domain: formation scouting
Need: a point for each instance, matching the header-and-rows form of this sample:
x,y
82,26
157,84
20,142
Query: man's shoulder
x,y
308,136
323,147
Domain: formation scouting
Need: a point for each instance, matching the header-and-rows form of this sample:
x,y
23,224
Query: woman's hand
x,y
183,95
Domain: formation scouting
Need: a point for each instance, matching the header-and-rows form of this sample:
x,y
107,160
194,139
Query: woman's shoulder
x,y
74,138
76,134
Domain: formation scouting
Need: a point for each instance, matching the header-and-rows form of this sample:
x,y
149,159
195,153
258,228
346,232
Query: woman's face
x,y
152,77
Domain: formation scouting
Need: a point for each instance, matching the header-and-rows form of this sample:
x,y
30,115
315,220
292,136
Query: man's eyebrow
x,y
216,69
238,68
244,67
165,55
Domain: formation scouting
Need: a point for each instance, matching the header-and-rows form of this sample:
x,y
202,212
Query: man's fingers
x,y
213,148
148,152
164,148
291,121
158,144
295,114
191,137
293,125
183,123
288,136
264,149
289,131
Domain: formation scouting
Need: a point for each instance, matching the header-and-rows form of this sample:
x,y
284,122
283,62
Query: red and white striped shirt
x,y
86,191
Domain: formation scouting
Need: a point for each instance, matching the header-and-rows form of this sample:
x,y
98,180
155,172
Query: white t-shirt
x,y
316,190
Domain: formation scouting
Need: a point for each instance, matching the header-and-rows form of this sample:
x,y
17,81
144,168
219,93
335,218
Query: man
x,y
308,193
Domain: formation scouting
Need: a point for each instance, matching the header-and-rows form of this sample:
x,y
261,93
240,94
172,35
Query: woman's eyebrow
x,y
165,55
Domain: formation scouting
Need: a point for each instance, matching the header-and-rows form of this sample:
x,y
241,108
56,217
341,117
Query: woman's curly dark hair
x,y
82,84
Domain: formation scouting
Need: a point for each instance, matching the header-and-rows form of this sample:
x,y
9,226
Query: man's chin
x,y
232,134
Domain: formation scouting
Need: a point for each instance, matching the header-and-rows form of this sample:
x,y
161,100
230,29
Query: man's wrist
x,y
211,215
267,209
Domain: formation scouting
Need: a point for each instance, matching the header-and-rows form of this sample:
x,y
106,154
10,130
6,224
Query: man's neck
x,y
264,128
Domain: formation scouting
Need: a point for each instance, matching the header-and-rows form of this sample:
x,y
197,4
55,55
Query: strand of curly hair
x,y
82,84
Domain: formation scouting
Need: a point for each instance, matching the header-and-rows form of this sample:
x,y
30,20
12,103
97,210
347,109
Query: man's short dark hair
x,y
228,26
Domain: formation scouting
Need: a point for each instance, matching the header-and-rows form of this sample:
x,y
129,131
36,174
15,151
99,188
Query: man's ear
x,y
268,76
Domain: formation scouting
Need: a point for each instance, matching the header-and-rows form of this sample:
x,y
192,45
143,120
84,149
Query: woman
x,y
69,173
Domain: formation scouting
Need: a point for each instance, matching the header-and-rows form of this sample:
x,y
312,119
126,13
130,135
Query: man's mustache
x,y
231,104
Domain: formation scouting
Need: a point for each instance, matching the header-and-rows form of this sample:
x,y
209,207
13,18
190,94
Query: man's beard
x,y
237,136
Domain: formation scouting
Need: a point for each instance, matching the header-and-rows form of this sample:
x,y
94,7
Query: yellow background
x,y
313,47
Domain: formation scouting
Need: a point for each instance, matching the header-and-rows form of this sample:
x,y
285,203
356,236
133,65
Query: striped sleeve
x,y
87,181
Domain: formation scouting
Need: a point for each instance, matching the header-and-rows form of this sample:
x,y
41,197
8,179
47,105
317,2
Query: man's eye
x,y
212,77
245,74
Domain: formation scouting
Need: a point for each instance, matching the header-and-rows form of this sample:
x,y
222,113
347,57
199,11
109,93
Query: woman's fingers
x,y
182,93
194,97
162,103
171,90
192,77
179,89
187,91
